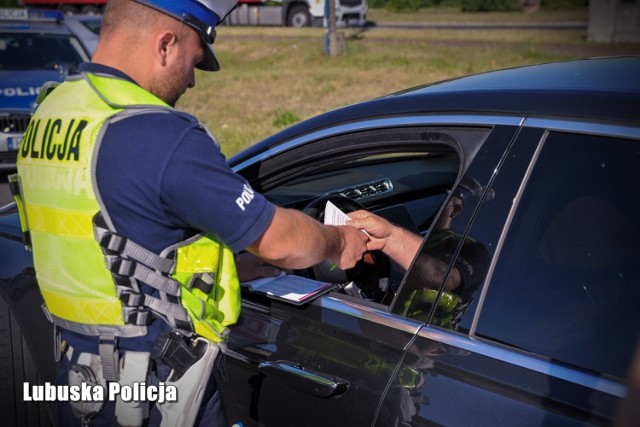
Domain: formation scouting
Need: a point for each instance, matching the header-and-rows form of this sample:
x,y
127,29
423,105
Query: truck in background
x,y
292,13
69,7
297,13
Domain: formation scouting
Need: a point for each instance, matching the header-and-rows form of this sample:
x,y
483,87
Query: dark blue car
x,y
545,158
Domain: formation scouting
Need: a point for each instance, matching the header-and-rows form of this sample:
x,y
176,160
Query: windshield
x,y
19,51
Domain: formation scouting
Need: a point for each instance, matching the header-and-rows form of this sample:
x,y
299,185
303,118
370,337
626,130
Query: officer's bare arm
x,y
294,240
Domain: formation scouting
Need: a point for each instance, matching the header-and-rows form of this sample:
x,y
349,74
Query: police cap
x,y
201,15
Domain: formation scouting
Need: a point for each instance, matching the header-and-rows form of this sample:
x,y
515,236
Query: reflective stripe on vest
x,y
55,165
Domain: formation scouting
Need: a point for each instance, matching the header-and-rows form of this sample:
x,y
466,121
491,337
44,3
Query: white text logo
x,y
246,197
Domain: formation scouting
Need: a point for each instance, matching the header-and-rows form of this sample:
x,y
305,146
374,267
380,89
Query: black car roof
x,y
599,89
596,74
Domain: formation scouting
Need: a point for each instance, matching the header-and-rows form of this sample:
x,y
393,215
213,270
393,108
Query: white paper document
x,y
334,216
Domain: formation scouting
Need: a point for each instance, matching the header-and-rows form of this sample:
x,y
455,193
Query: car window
x,y
400,174
92,24
20,51
417,180
566,284
405,187
403,169
452,263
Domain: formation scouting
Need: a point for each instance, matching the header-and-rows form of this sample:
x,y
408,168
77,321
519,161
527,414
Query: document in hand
x,y
289,287
333,215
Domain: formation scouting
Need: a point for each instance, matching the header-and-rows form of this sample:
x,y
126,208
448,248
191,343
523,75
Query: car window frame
x,y
268,163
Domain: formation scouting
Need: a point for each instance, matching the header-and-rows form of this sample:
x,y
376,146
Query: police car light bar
x,y
9,14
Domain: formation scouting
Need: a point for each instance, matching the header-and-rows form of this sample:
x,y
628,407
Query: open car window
x,y
416,182
403,175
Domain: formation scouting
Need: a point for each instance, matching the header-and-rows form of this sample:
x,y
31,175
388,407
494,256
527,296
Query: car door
x,y
332,361
550,334
26,348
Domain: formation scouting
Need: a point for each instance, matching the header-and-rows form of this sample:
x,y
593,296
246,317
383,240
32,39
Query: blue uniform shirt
x,y
162,179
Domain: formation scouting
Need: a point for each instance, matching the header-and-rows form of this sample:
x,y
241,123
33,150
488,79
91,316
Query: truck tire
x,y
299,17
16,368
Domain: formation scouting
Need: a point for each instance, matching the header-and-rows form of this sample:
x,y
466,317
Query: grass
x,y
451,14
273,77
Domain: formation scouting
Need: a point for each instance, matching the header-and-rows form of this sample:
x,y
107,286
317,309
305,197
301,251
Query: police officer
x,y
113,176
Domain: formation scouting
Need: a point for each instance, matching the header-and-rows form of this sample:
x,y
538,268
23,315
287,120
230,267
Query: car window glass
x,y
452,263
567,281
490,220
39,51
93,25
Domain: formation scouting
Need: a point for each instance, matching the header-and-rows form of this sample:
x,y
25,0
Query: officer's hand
x,y
352,246
251,267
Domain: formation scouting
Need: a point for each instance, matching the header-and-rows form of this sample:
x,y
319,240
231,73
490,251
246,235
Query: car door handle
x,y
315,383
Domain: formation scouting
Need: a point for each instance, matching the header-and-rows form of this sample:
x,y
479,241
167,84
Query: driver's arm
x,y
295,240
402,246
396,242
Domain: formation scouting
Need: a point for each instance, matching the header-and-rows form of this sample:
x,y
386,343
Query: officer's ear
x,y
166,45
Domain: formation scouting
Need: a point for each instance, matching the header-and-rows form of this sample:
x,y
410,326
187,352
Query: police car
x,y
36,46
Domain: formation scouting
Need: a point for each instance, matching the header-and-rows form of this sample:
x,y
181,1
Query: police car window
x,y
39,51
567,281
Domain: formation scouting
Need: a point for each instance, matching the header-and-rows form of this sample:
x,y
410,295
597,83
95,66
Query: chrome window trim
x,y
518,358
7,208
361,311
379,123
476,345
576,126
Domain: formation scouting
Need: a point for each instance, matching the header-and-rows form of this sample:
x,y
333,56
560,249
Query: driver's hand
x,y
352,247
379,229
399,244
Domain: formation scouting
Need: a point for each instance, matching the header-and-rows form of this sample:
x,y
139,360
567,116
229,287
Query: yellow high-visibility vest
x,y
82,283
